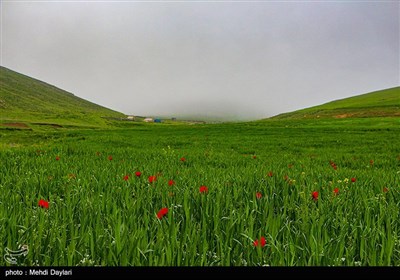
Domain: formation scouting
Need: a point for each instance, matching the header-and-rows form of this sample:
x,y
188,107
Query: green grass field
x,y
295,190
33,102
382,103
101,213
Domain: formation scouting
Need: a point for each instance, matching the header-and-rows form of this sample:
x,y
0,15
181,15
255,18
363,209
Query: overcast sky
x,y
242,59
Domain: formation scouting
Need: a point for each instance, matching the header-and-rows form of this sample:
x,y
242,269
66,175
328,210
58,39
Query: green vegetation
x,y
95,217
29,103
383,103
309,192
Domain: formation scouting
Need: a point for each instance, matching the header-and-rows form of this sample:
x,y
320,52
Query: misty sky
x,y
244,60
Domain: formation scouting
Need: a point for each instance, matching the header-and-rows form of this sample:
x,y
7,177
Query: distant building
x,y
130,118
157,120
148,120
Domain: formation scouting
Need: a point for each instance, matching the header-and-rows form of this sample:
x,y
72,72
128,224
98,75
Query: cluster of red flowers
x,y
260,243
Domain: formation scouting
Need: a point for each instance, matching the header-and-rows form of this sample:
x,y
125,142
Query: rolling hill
x,y
382,103
25,101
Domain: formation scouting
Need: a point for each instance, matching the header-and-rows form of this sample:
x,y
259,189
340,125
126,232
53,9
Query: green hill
x,y
25,101
382,103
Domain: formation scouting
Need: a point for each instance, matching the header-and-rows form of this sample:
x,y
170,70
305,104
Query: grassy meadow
x,y
275,192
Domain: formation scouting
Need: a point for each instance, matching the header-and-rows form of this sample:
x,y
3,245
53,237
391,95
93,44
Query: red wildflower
x,y
57,158
126,178
258,195
353,179
261,243
171,183
110,158
254,156
152,179
333,164
270,174
371,162
203,189
336,191
138,173
162,213
44,204
183,159
315,195
385,189
286,177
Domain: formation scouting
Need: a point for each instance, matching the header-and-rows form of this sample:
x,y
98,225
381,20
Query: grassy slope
x,y
381,103
27,100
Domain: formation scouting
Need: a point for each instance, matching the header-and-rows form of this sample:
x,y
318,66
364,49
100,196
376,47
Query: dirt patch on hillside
x,y
15,124
50,124
343,116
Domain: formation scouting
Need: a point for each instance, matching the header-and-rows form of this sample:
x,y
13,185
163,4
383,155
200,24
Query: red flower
x,y
110,158
333,164
44,204
183,159
203,189
261,243
57,158
138,173
286,177
152,179
315,195
385,189
353,179
254,156
258,195
336,191
162,213
126,177
270,174
171,183
371,162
